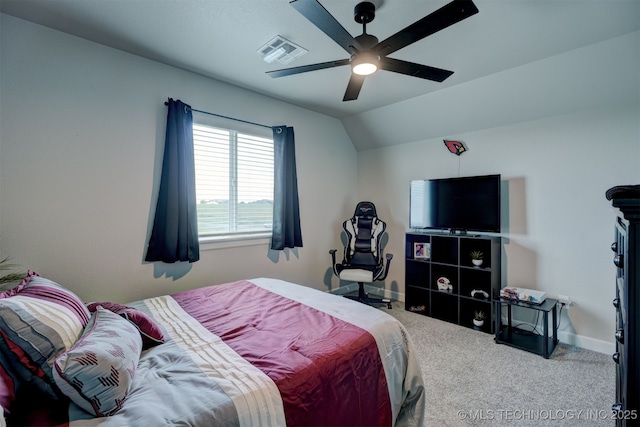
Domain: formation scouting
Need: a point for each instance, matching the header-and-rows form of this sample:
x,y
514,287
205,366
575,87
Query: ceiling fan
x,y
367,54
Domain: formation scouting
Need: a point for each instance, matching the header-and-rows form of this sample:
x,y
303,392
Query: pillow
x,y
151,333
13,291
39,320
97,372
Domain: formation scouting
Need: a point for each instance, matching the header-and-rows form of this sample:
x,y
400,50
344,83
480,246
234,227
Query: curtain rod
x,y
227,117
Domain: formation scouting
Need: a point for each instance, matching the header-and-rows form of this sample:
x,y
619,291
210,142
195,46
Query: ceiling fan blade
x,y
442,18
414,70
307,68
354,86
321,18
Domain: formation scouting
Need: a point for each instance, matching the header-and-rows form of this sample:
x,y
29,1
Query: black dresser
x,y
627,302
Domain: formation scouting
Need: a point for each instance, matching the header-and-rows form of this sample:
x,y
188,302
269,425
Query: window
x,y
234,180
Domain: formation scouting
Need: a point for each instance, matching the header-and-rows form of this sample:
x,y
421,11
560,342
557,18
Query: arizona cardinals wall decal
x,y
456,147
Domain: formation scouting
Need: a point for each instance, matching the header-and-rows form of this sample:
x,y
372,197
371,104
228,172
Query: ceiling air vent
x,y
281,50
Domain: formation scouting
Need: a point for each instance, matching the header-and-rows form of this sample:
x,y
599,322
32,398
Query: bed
x,y
259,352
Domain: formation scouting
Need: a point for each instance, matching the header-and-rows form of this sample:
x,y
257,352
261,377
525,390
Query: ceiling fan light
x,y
365,63
365,69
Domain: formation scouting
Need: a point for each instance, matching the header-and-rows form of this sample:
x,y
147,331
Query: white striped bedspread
x,y
204,375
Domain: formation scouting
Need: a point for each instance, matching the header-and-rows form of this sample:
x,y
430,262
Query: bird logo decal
x,y
456,147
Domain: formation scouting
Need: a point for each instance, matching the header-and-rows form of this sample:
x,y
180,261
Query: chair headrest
x,y
365,210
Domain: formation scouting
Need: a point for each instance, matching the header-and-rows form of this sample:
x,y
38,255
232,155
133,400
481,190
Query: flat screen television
x,y
456,204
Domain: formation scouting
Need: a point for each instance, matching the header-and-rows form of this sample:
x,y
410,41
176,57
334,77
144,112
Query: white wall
x,y
559,225
81,134
582,138
81,137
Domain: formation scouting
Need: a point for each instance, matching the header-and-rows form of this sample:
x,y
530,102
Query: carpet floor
x,y
472,381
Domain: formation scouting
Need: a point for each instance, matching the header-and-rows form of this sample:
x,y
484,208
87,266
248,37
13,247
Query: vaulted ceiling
x,y
220,39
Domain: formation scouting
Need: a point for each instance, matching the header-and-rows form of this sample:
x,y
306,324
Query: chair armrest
x,y
386,267
333,261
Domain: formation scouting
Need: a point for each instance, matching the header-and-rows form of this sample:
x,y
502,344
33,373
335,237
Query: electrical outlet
x,y
566,300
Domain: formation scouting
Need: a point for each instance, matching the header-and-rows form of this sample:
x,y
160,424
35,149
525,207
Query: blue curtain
x,y
286,209
174,236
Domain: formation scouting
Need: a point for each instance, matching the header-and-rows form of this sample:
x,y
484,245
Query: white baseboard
x,y
587,343
581,341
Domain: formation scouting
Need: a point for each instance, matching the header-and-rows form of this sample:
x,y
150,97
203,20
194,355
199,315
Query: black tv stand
x,y
442,281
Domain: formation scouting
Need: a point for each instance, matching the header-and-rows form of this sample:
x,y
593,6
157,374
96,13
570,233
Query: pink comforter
x,y
264,353
328,371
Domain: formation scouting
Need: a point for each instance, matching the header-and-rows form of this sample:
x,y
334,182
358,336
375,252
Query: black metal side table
x,y
526,340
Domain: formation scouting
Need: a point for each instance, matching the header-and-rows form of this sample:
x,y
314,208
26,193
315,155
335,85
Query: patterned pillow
x,y
149,330
97,372
39,320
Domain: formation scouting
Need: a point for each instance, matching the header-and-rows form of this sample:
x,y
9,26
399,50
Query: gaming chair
x,y
363,261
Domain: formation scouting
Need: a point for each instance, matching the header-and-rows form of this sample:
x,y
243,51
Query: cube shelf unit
x,y
448,256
